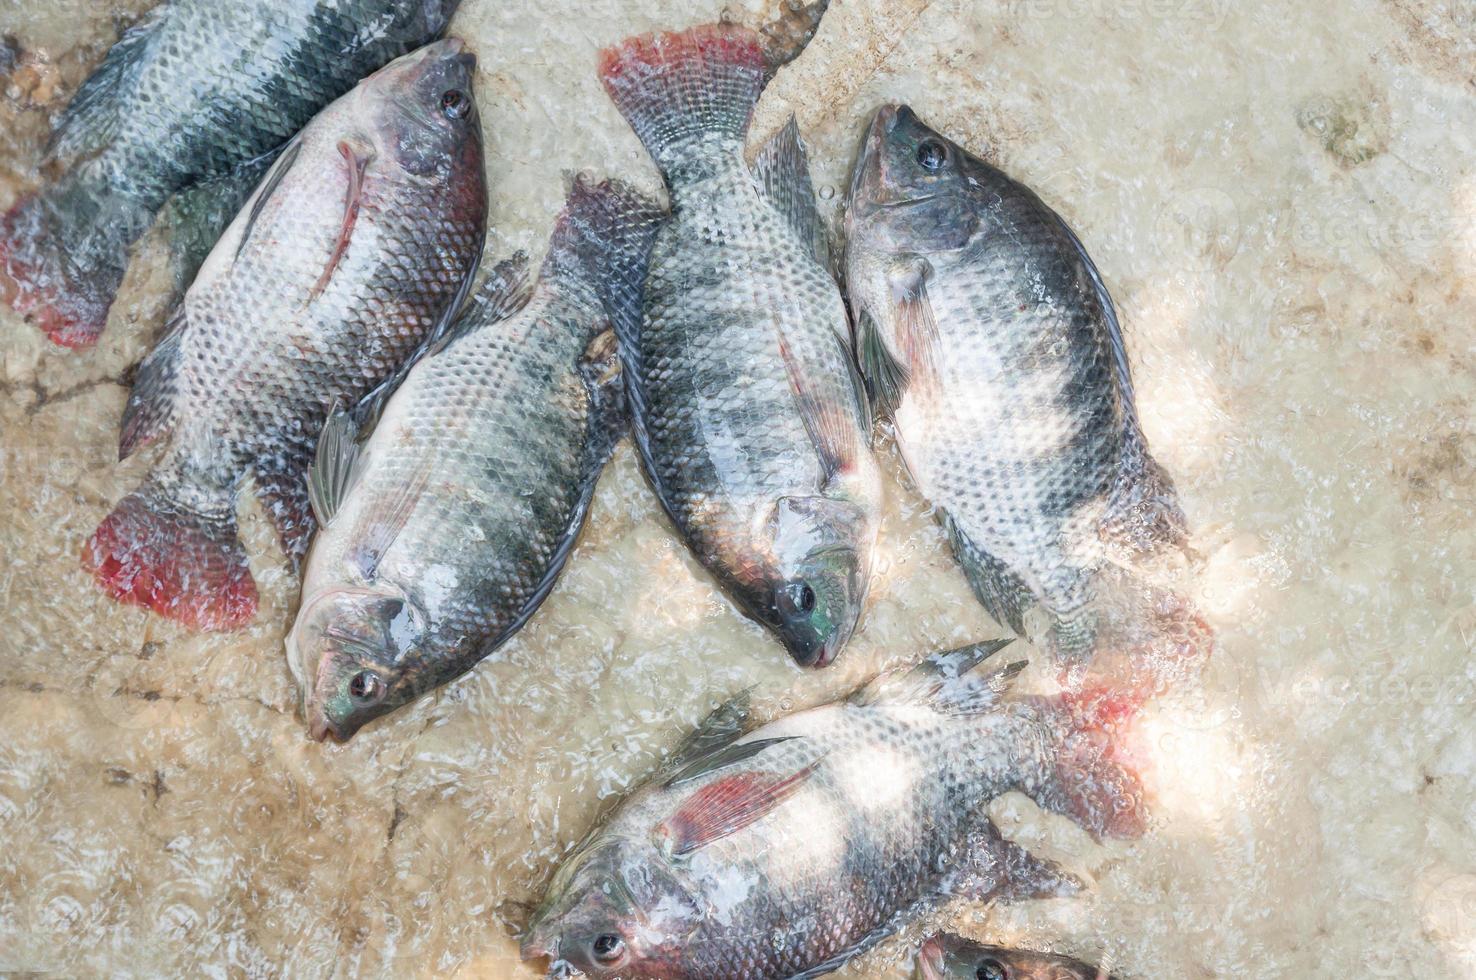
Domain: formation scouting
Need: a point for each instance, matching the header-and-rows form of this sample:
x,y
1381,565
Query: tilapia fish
x,y
360,241
785,851
752,425
443,534
945,957
987,334
192,101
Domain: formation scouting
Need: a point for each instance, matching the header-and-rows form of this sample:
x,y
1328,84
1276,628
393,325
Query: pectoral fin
x,y
912,313
835,427
357,157
727,805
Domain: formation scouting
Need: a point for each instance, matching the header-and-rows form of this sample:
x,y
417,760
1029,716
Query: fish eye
x,y
795,599
366,687
991,969
931,155
607,947
455,104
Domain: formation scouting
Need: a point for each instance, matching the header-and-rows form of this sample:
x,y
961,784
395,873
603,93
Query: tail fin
x,y
604,235
62,256
1095,768
157,552
678,87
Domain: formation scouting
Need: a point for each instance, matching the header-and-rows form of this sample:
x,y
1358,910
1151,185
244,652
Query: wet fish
x,y
359,243
785,851
447,529
946,957
986,333
195,98
752,425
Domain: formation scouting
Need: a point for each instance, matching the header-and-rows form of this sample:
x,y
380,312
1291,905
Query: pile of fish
x,y
428,450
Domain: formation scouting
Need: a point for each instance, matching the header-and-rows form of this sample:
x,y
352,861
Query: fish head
x,y
947,957
422,109
912,188
817,582
356,654
615,908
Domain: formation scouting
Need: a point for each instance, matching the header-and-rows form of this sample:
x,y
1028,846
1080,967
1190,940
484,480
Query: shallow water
x,y
1281,197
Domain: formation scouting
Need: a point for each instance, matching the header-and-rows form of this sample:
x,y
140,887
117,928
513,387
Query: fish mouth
x,y
537,949
813,657
321,727
930,960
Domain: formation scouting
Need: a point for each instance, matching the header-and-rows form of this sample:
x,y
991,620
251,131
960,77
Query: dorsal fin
x,y
722,725
721,758
269,184
948,682
784,175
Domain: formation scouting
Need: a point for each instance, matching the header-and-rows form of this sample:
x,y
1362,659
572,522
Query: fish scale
x,y
476,479
751,427
323,285
989,337
194,99
851,819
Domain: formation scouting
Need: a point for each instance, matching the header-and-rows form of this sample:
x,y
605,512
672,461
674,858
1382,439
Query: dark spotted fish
x,y
445,531
192,101
946,957
986,333
360,242
750,420
785,851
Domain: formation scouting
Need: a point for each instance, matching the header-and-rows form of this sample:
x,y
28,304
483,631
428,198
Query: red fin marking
x,y
727,805
35,283
675,86
183,566
1096,765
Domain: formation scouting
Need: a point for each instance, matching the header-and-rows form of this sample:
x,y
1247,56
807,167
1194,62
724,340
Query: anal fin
x,y
996,869
282,487
150,402
1000,591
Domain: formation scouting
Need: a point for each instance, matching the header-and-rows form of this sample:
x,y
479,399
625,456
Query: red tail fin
x,y
191,568
41,281
1097,782
677,87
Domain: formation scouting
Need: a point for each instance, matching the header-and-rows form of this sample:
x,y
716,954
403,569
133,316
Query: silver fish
x,y
752,425
193,101
947,957
986,333
785,851
445,531
360,241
